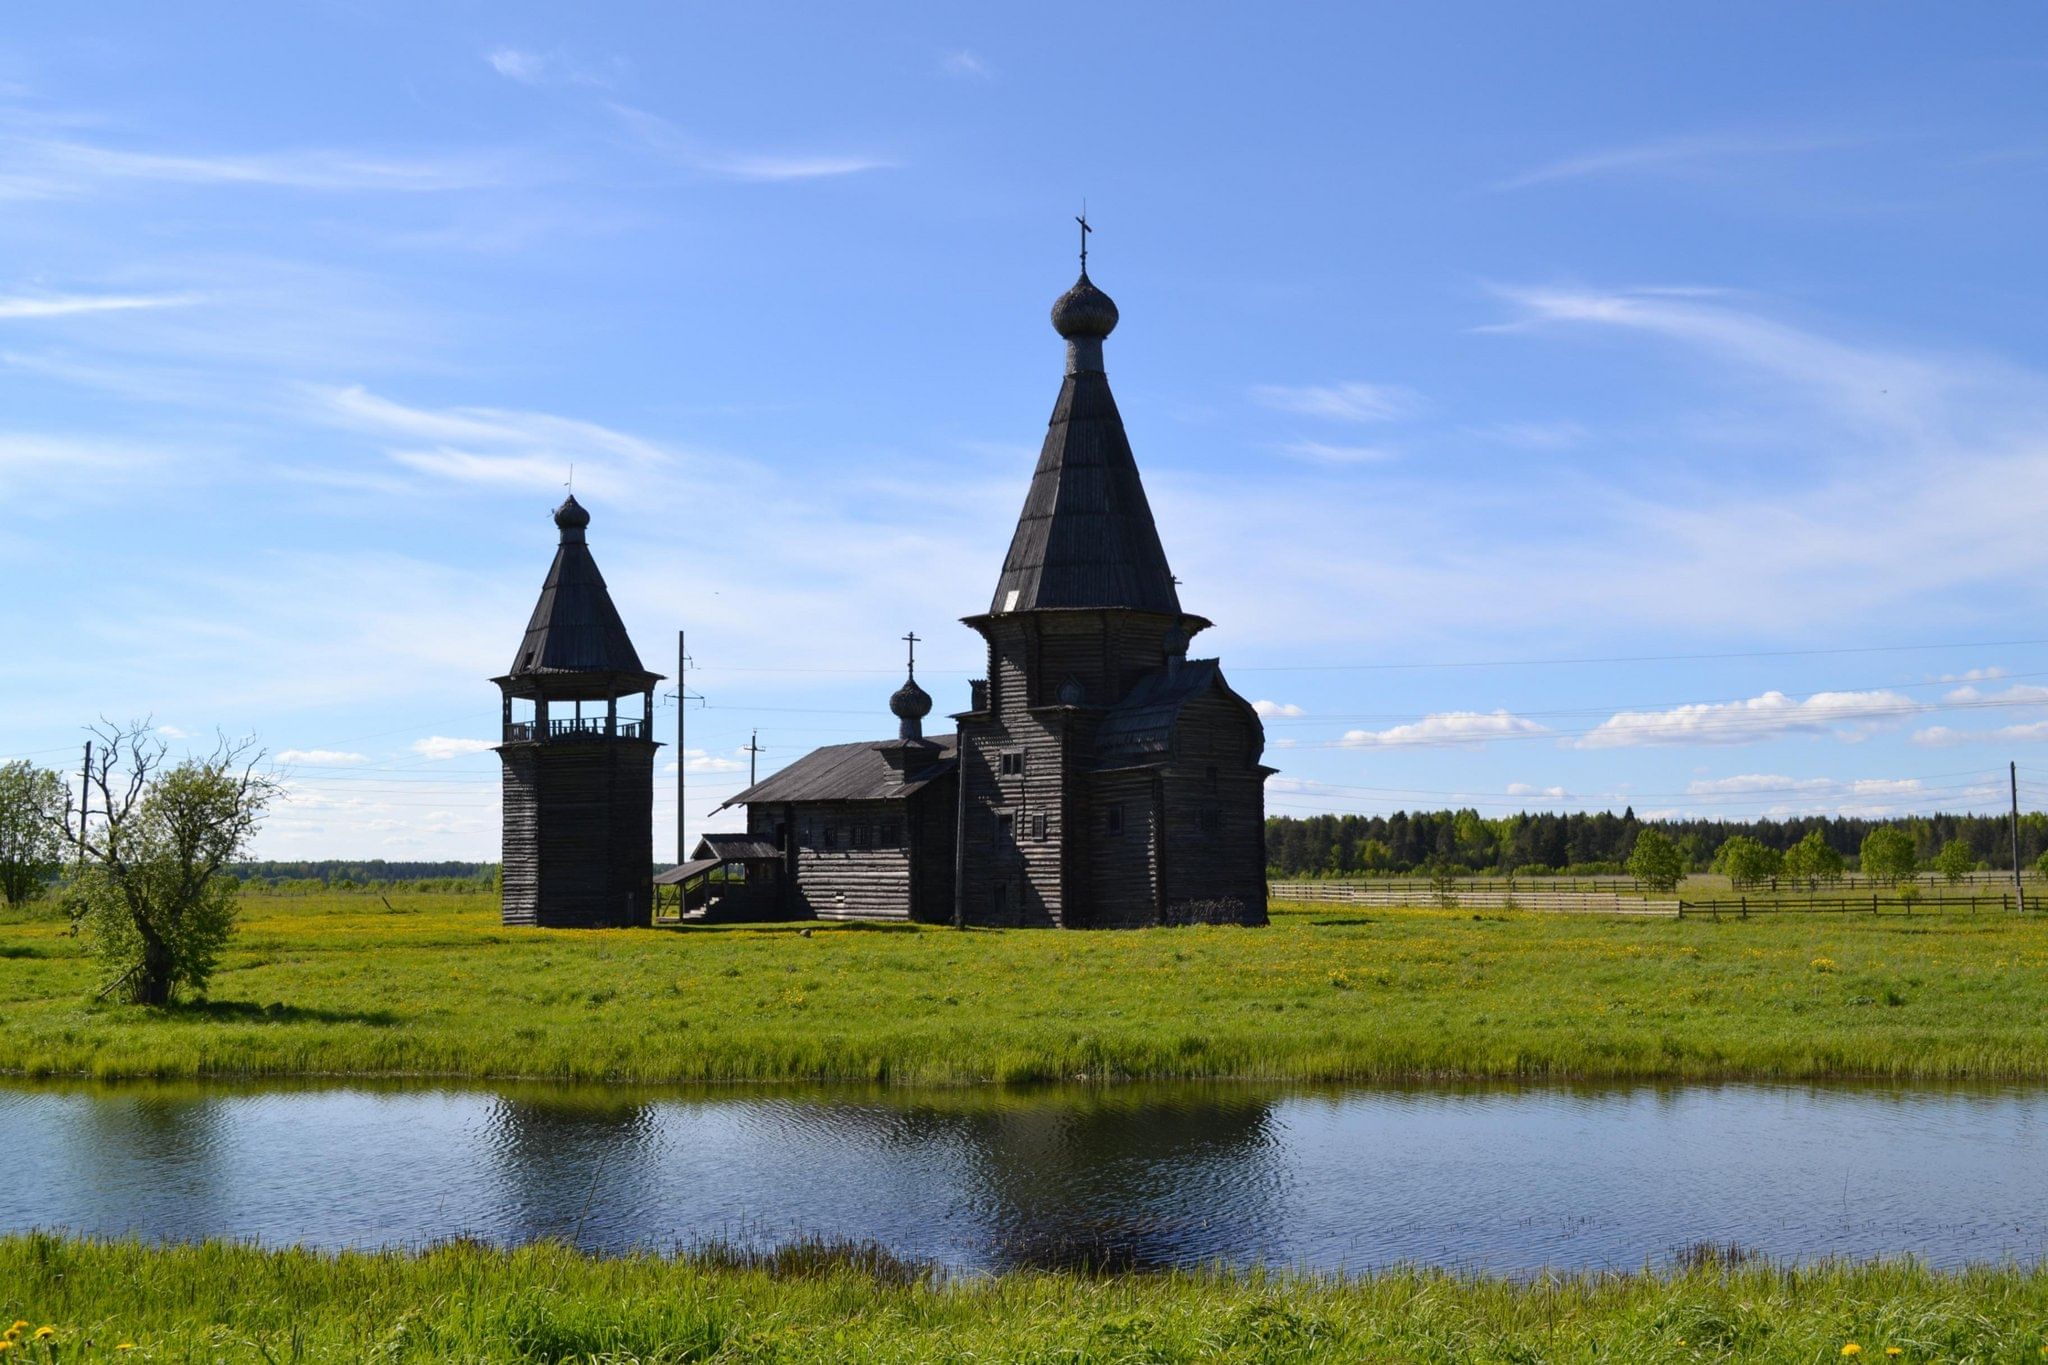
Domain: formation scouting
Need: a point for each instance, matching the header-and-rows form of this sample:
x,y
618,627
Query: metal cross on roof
x,y
911,639
1082,219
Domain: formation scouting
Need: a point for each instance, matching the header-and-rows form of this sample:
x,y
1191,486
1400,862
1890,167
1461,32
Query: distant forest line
x,y
1599,842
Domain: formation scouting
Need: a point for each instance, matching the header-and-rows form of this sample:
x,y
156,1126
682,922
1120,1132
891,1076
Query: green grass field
x,y
217,1303
337,984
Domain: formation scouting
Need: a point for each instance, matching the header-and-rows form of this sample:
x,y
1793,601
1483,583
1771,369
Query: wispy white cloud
x,y
1320,452
1351,401
2018,694
71,305
442,746
46,168
1673,156
1275,708
691,153
173,732
1447,727
497,446
322,758
550,68
967,65
1972,675
1847,715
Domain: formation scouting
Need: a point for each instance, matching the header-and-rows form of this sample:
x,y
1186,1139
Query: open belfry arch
x,y
578,773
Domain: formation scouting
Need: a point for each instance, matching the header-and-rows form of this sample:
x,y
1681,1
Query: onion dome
x,y
1084,312
571,516
910,704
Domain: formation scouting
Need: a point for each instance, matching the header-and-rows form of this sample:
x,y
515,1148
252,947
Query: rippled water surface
x,y
1504,1180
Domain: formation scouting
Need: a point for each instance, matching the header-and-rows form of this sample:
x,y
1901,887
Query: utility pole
x,y
753,753
682,753
2019,889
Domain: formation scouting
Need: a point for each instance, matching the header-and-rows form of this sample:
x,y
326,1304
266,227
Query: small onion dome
x,y
1084,312
570,516
910,702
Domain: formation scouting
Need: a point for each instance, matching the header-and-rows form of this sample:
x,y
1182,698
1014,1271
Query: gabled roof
x,y
853,772
575,628
1140,727
1086,537
738,848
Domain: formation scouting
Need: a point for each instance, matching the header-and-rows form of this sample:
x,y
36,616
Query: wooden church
x,y
1099,777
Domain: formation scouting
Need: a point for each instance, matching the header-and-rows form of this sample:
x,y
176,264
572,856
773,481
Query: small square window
x,y
1113,819
1013,764
831,836
857,836
1006,824
1038,823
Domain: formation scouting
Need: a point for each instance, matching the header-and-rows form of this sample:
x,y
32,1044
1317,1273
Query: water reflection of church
x,y
1098,777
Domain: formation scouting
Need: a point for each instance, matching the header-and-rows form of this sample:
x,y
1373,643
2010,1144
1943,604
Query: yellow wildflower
x,y
1895,1351
1851,1349
6,1344
45,1332
125,1346
19,1323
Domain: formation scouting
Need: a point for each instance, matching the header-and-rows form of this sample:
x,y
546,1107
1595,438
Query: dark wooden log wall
x,y
579,833
1123,889
855,880
1214,871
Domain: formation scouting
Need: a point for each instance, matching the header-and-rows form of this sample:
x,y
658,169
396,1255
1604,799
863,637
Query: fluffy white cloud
x,y
1941,736
2019,694
322,758
173,732
1353,401
441,746
1530,789
1276,708
1447,727
1846,714
703,762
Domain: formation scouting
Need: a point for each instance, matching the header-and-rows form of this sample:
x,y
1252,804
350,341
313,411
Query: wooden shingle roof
x,y
575,628
1086,537
851,772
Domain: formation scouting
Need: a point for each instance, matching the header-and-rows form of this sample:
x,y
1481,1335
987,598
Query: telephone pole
x,y
2019,889
753,753
682,753
84,796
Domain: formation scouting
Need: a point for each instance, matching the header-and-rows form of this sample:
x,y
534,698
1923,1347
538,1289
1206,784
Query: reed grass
x,y
464,1302
429,984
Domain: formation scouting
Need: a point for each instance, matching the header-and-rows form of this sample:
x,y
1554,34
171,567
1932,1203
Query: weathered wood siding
x,y
579,829
1123,885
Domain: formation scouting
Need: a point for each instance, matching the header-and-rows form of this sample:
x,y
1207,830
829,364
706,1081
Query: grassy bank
x,y
430,984
467,1303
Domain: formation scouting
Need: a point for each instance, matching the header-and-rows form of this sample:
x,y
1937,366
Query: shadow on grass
x,y
1357,923
798,927
276,1012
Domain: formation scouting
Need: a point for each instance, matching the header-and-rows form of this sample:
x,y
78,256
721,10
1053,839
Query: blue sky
x,y
1501,336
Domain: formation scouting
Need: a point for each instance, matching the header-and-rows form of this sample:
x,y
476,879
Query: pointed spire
x,y
574,627
1086,537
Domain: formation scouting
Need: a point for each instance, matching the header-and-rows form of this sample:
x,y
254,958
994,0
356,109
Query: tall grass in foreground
x,y
429,984
468,1303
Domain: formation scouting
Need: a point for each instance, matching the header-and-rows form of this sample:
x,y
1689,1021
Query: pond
x,y
1504,1180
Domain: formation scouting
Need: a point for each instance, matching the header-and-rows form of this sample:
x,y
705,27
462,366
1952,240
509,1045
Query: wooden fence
x,y
1469,897
1742,907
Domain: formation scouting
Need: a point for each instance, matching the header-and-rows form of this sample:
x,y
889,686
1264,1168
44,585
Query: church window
x,y
1212,820
1113,818
1006,824
1038,823
888,836
831,836
857,836
1013,763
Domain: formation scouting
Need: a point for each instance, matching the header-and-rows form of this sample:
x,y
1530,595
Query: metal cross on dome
x,y
1082,219
911,640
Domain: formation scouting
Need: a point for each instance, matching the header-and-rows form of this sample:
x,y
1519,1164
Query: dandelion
x,y
1894,1351
1850,1348
19,1325
6,1345
45,1332
124,1346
